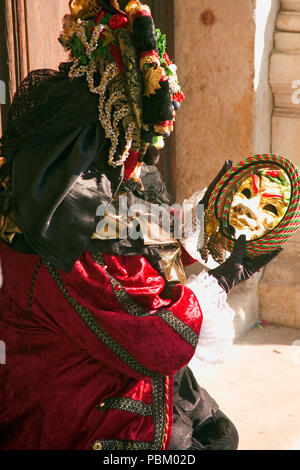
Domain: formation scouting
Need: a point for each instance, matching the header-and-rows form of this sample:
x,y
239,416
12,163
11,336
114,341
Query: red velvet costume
x,y
91,355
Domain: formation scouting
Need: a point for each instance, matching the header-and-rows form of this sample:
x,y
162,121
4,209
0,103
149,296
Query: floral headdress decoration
x,y
116,47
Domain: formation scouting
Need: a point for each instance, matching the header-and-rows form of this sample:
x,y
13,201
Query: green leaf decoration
x,y
106,19
88,35
77,47
104,52
161,43
169,71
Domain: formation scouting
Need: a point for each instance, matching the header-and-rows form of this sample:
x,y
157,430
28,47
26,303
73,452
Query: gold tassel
x,y
212,242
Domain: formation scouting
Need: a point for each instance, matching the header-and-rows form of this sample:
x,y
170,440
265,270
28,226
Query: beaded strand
x,y
109,123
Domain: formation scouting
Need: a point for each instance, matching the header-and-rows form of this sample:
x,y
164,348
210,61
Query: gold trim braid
x,y
128,303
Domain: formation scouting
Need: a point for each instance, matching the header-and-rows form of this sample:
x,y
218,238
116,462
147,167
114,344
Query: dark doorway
x,y
163,14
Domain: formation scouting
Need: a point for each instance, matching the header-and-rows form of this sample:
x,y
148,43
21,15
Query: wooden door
x,y
28,40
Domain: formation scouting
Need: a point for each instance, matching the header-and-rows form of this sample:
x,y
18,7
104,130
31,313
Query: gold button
x,y
101,405
97,445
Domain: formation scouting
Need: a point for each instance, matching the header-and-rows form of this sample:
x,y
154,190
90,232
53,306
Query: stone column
x,y
279,288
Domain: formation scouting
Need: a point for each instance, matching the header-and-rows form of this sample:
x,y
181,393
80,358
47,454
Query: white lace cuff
x,y
217,332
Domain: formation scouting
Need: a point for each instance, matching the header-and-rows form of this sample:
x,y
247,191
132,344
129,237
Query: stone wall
x,y
44,24
215,57
279,287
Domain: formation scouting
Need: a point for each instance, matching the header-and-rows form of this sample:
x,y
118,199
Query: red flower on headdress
x,y
167,58
179,97
118,21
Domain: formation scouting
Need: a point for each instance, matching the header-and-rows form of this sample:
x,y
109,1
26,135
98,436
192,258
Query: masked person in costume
x,y
99,328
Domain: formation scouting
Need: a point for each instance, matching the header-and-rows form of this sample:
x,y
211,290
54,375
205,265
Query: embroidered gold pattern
x,y
126,404
160,420
116,444
126,301
122,296
94,326
133,79
181,328
211,242
34,281
158,382
151,77
97,445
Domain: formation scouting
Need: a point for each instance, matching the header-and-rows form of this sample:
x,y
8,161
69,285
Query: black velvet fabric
x,y
198,422
55,205
106,6
64,216
158,107
144,34
154,188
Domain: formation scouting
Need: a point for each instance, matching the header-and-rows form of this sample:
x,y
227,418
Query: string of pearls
x,y
115,98
77,70
91,46
111,126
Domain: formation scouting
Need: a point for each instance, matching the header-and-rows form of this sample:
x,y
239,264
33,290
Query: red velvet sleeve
x,y
112,307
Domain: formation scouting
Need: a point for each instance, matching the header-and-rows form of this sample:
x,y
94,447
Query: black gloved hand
x,y
227,166
238,268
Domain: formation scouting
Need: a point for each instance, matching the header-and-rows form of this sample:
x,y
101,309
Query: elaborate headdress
x,y
124,60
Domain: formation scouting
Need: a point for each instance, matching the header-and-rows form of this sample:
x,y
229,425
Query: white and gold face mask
x,y
260,203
